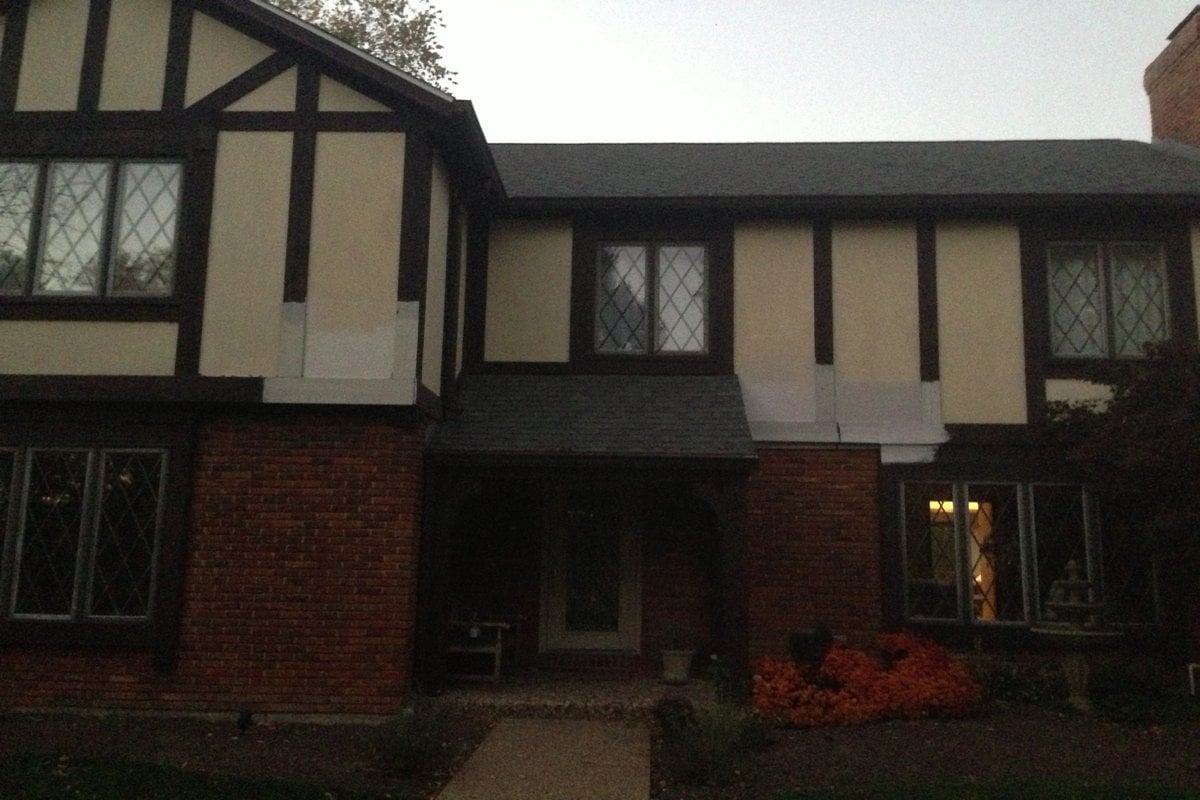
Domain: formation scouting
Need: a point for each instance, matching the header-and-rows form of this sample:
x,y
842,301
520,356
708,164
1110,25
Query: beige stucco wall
x,y
355,256
247,252
135,57
980,324
218,54
774,349
528,291
875,324
53,57
1063,390
435,282
334,96
87,348
278,94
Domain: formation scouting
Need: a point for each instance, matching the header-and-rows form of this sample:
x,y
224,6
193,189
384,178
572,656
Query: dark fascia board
x,y
848,206
282,29
470,143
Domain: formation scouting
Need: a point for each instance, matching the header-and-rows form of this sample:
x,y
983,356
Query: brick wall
x,y
300,583
1172,82
812,531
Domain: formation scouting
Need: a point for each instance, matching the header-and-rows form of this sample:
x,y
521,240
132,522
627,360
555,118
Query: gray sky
x,y
805,70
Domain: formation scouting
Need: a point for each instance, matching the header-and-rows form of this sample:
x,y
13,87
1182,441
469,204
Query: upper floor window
x,y
89,228
651,298
1106,299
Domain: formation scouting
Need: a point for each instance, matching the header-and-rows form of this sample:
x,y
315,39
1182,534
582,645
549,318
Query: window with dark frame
x,y
987,552
85,532
1107,299
651,298
89,227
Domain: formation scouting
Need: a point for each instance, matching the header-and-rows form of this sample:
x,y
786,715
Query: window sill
x,y
86,309
136,636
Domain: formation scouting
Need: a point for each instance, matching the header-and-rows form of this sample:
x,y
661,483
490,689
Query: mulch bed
x,y
1003,742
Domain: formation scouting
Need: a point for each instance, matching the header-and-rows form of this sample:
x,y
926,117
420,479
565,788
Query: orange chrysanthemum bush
x,y
911,677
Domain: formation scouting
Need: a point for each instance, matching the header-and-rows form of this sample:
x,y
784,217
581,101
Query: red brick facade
x,y
300,586
812,534
1173,83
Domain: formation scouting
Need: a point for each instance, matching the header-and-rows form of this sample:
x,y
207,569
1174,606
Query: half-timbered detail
x,y
309,395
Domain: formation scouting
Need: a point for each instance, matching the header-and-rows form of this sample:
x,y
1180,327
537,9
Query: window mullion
x,y
108,233
1028,573
962,554
84,569
36,226
651,299
1109,286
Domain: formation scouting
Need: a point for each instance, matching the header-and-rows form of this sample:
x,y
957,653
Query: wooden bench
x,y
482,638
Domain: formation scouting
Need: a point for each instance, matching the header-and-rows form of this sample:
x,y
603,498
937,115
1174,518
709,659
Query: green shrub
x,y
707,745
414,740
1022,678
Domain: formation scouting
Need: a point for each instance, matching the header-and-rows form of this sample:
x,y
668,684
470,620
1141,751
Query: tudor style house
x,y
300,377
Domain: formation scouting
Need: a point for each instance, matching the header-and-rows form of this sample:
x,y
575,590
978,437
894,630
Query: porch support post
x,y
728,501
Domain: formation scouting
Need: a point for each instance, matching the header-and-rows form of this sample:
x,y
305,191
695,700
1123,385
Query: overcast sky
x,y
805,70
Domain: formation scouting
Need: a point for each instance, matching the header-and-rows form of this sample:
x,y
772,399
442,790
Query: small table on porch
x,y
482,638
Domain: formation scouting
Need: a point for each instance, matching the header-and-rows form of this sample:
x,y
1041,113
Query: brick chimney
x,y
1173,83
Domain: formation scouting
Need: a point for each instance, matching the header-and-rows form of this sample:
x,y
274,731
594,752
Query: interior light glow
x,y
947,506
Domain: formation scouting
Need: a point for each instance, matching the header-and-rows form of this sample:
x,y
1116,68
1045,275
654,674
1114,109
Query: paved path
x,y
557,759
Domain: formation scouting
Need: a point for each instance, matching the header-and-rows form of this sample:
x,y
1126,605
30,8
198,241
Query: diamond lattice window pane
x,y
144,251
1139,297
18,190
1077,323
73,232
1059,530
126,533
50,533
931,551
621,299
682,304
994,553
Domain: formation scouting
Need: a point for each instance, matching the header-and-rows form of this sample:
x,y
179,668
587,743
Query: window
x,y
1106,299
89,227
651,298
85,532
989,552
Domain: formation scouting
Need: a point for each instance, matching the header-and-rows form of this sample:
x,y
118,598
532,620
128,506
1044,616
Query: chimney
x,y
1173,83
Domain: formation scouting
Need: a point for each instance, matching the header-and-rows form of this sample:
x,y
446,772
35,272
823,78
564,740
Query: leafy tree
x,y
1142,450
401,32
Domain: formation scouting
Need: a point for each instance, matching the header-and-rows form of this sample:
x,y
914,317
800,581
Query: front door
x,y
591,590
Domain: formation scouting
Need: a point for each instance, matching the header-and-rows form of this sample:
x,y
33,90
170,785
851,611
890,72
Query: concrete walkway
x,y
557,759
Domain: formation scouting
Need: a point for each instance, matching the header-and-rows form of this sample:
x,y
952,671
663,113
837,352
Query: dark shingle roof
x,y
684,417
1107,167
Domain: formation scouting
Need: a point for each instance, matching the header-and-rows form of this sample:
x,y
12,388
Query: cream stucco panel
x,y
355,256
53,57
218,55
981,336
1077,391
528,292
278,94
243,304
774,349
87,348
435,282
135,58
334,96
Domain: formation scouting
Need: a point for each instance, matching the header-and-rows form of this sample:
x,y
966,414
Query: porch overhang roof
x,y
699,420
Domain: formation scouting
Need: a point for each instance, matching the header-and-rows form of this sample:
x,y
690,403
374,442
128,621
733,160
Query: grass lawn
x,y
27,776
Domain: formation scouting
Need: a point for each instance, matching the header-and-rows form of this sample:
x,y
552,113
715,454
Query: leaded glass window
x,y
89,228
987,553
87,533
1106,299
651,298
